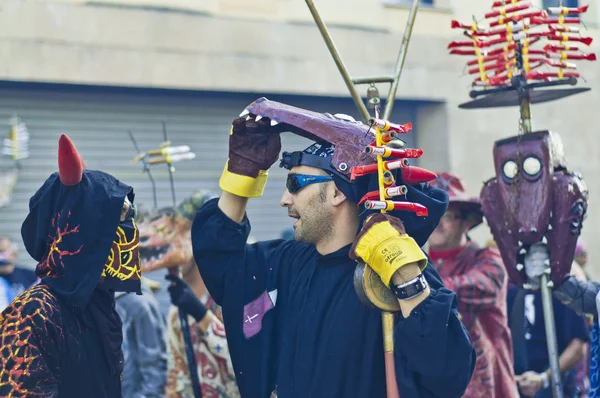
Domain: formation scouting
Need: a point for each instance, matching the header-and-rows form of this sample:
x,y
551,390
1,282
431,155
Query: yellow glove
x,y
384,245
253,148
242,185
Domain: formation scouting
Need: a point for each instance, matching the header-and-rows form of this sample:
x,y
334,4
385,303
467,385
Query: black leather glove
x,y
184,298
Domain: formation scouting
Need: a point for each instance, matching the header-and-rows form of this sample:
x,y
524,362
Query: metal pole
x,y
538,254
146,168
189,347
338,60
189,350
170,167
557,388
523,92
524,108
389,104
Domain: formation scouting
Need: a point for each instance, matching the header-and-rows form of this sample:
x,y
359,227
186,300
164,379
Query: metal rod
x,y
520,82
373,79
189,350
187,342
557,388
146,168
338,60
170,167
525,110
389,104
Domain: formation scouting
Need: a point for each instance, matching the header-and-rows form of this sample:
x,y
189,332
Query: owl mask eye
x,y
510,170
532,166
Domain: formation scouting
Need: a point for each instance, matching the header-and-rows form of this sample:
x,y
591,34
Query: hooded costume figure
x,y
62,337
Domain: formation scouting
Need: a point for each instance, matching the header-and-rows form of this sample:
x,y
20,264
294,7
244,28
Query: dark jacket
x,y
294,321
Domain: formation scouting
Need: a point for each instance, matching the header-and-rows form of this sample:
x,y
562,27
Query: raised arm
x,y
433,352
253,148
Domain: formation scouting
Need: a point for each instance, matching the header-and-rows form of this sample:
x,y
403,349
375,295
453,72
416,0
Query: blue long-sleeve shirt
x,y
294,321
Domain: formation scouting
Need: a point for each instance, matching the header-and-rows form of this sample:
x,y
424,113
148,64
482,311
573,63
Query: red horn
x,y
70,164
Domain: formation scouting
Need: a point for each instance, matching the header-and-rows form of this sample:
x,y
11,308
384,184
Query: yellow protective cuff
x,y
244,186
386,251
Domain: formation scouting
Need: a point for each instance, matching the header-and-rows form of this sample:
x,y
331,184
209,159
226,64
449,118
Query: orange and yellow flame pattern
x,y
30,328
52,266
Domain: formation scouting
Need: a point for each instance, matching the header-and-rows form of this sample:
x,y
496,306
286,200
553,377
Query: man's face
x,y
310,206
449,231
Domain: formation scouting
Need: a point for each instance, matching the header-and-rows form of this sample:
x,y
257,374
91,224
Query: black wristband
x,y
410,289
197,310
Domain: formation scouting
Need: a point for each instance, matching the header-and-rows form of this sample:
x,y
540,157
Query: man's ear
x,y
338,197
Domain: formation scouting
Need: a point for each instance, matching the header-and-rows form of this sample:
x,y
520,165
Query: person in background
x,y
526,318
144,344
165,243
479,279
13,279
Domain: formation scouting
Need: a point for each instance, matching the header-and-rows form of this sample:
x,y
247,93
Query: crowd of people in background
x,y
504,321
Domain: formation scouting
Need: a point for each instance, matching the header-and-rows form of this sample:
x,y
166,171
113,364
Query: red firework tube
x,y
565,29
491,85
387,137
498,81
359,171
535,75
502,29
519,17
388,193
564,37
455,24
547,21
462,52
560,47
584,56
539,34
501,3
498,57
567,10
494,51
517,7
496,66
493,78
389,205
388,126
503,39
557,64
393,152
455,44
